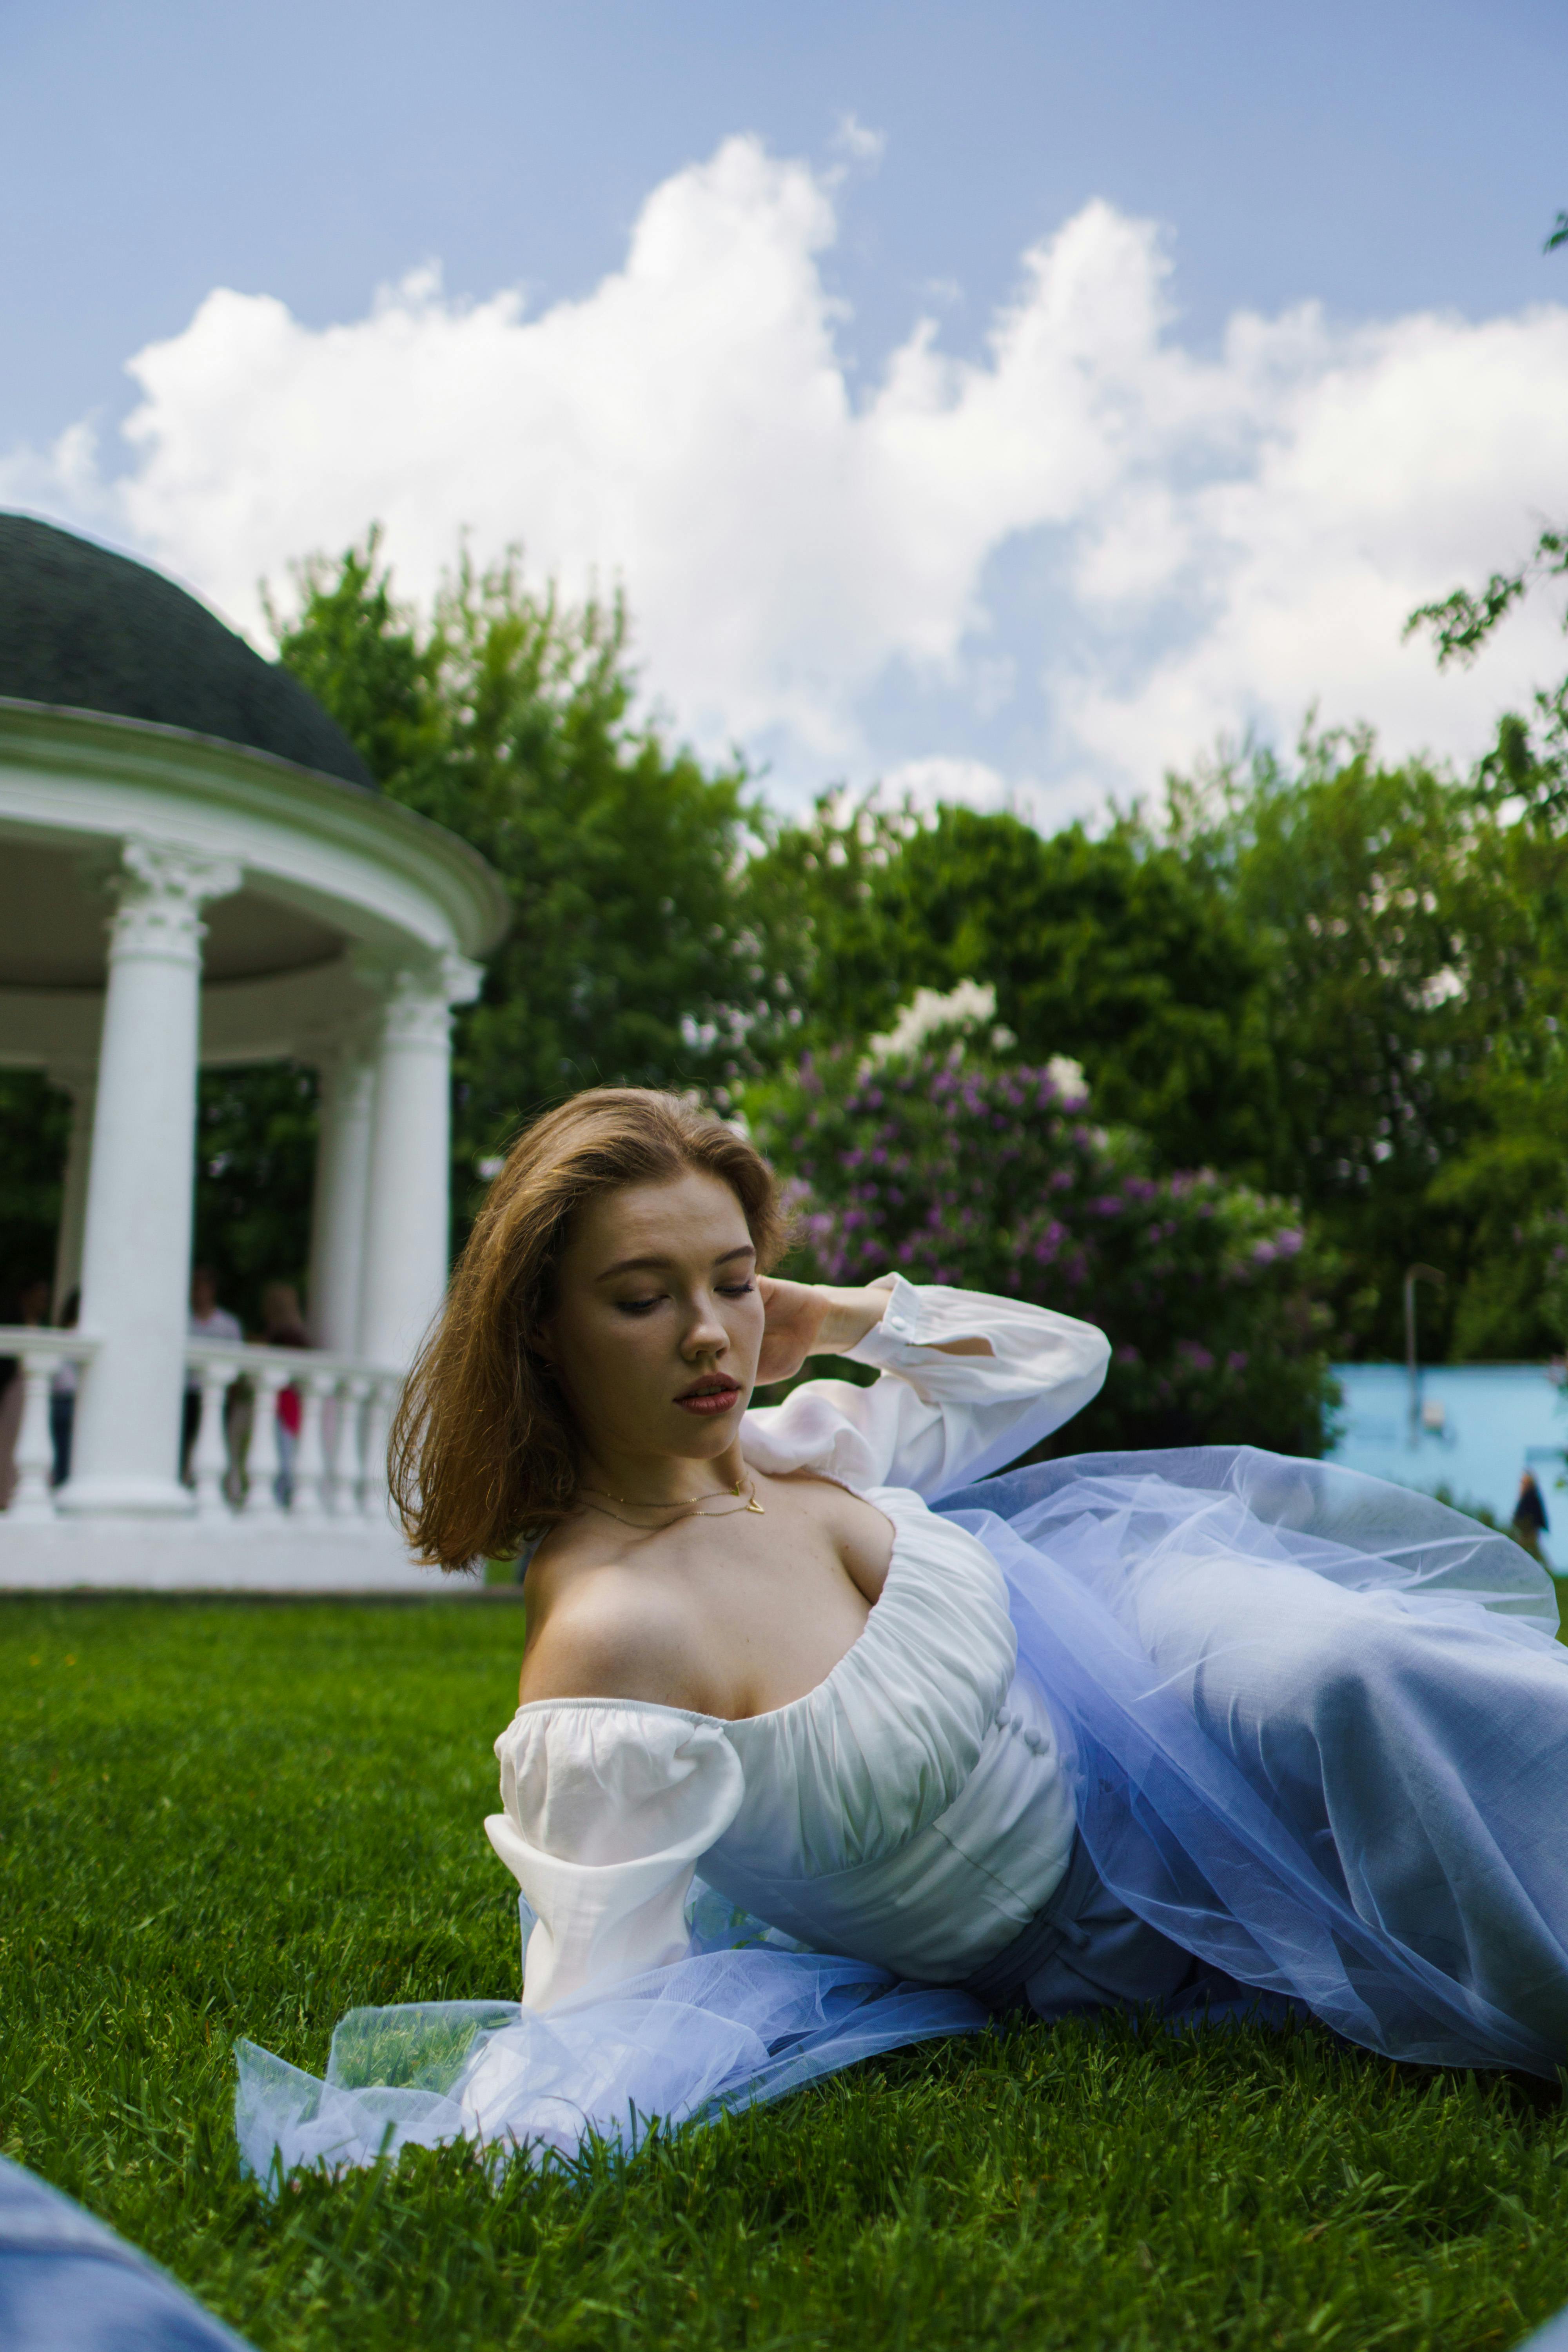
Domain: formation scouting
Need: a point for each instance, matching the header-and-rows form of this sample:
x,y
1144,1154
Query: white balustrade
x,y
340,1463
261,1496
40,1355
348,1461
313,1387
209,1454
376,1503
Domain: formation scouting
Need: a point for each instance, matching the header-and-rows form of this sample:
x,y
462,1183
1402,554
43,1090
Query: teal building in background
x,y
1471,1428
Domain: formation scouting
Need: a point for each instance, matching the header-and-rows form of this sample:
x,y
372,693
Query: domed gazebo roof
x,y
84,629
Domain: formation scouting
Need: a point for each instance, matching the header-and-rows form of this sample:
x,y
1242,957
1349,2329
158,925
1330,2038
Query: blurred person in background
x,y
63,1382
283,1326
1529,1519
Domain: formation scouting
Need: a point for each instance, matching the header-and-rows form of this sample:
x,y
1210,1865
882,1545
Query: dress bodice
x,y
849,1773
911,1810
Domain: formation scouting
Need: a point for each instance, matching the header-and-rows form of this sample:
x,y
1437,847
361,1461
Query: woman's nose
x,y
705,1334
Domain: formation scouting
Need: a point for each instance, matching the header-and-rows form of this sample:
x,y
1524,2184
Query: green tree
x,y
830,966
365,660
1509,1182
1528,764
1112,951
35,1128
508,719
1399,947
256,1158
633,956
1117,952
1510,1172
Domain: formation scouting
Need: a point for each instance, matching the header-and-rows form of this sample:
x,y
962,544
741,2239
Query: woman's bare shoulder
x,y
598,1629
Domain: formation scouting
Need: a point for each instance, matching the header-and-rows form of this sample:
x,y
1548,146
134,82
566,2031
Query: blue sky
x,y
1394,166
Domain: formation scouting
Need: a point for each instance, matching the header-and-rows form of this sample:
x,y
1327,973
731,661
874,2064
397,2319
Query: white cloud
x,y
974,783
859,144
1384,467
1221,540
943,778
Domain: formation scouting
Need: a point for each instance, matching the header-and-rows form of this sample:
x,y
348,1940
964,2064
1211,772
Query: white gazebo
x,y
196,868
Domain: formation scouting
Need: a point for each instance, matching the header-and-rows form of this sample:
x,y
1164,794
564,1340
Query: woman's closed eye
x,y
645,1306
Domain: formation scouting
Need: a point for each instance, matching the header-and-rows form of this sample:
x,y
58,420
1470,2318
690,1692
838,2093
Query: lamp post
x,y
1413,1274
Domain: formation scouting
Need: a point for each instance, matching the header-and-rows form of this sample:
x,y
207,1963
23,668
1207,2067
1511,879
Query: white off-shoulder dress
x,y
1213,1728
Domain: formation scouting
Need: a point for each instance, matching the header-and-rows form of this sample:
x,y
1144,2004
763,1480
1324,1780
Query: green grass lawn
x,y
225,1819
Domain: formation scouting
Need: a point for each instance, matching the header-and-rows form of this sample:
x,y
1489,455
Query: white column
x,y
338,1205
136,1246
82,1085
406,1223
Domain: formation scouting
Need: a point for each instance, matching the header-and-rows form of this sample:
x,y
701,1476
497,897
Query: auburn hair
x,y
484,1453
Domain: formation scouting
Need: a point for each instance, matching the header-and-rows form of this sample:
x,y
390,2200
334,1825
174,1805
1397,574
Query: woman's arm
x,y
818,1319
968,1383
607,1807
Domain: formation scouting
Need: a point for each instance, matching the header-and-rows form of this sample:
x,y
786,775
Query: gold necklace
x,y
691,1510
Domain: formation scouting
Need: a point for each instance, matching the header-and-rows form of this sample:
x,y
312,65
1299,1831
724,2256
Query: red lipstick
x,y
713,1395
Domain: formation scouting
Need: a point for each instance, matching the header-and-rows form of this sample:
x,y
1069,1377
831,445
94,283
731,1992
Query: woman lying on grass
x,y
823,1746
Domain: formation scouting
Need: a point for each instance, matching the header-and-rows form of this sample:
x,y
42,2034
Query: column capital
x,y
461,978
418,988
347,1047
159,892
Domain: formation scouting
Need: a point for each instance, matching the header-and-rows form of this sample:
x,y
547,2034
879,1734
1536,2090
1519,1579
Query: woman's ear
x,y
535,1337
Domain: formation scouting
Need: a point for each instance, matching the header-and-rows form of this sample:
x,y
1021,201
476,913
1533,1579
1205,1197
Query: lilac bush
x,y
999,1179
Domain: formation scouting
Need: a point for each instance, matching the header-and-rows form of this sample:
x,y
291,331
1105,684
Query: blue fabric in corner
x,y
1553,2337
68,2284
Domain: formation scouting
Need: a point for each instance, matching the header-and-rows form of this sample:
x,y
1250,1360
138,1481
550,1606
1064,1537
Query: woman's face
x,y
658,1321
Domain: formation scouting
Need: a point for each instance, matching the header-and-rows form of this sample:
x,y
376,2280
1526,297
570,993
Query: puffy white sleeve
x,y
934,1421
606,1805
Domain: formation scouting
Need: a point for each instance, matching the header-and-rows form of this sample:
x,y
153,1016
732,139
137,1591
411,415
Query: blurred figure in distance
x,y
1529,1519
283,1326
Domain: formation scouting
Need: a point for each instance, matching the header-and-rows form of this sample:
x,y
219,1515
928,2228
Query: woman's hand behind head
x,y
811,1318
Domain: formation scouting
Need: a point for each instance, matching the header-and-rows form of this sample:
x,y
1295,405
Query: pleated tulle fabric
x,y
1318,1732
1322,1731
718,2030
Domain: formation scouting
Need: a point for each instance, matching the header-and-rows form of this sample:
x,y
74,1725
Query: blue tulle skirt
x,y
1320,1738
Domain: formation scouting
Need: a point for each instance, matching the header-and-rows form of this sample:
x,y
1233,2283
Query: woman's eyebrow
x,y
661,1264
